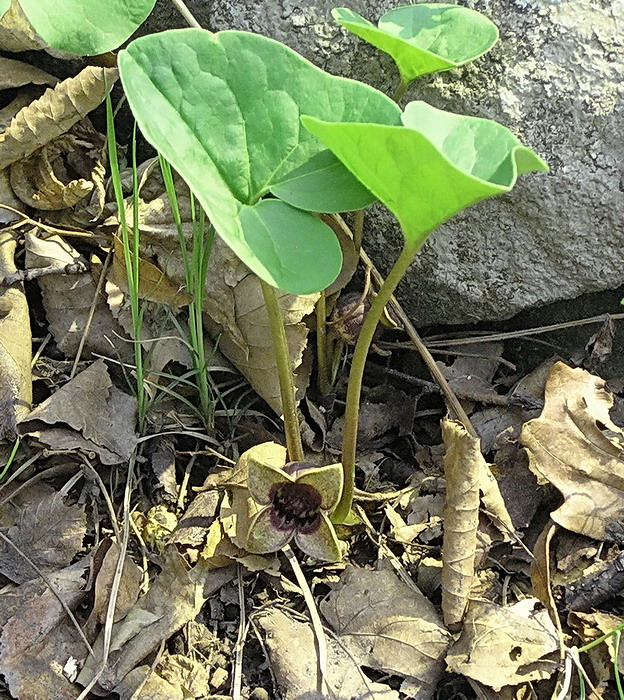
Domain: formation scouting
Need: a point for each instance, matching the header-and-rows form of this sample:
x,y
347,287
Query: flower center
x,y
296,506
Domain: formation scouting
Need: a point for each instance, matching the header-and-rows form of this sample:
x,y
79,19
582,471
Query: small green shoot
x,y
131,251
195,271
85,27
10,459
424,38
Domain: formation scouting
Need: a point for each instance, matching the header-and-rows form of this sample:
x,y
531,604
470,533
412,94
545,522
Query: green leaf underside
x,y
323,184
425,38
431,168
224,109
4,6
86,27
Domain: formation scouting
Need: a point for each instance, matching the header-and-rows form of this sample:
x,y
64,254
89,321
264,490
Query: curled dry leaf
x,y
54,113
47,178
575,445
15,345
7,196
502,646
389,626
17,73
68,299
16,32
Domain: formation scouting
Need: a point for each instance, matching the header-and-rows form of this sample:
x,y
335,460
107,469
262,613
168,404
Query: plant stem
x,y
358,229
284,373
354,389
322,371
186,13
399,92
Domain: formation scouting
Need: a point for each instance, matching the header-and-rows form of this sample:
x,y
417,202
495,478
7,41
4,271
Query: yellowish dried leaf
x,y
463,465
15,345
575,445
54,113
16,32
14,74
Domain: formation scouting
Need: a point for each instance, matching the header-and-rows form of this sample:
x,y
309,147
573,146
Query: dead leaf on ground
x,y
67,300
63,172
54,113
15,345
87,413
175,597
106,558
389,626
575,445
294,662
7,197
14,74
592,626
47,530
16,32
38,639
502,646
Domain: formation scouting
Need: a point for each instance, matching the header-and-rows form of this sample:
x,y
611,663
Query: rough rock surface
x,y
556,78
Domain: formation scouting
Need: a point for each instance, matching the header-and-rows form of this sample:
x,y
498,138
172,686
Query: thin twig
x,y
186,13
237,675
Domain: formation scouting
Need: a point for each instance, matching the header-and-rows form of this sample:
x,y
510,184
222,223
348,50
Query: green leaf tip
x,y
425,38
431,168
224,109
86,27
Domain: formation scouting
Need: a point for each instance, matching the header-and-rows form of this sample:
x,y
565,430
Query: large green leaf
x,y
435,165
224,109
425,38
86,27
4,6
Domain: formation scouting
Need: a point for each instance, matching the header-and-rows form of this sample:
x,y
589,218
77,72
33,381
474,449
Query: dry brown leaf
x,y
108,555
15,345
14,74
592,626
388,625
38,639
67,300
575,445
175,598
502,646
54,113
43,180
144,684
463,465
7,196
47,530
87,413
291,647
16,32
234,305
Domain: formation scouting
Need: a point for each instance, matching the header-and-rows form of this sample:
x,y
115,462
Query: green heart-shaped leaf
x,y
86,27
224,109
434,166
425,38
323,184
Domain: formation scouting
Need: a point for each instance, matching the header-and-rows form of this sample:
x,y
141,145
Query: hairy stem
x,y
399,92
284,373
354,389
324,385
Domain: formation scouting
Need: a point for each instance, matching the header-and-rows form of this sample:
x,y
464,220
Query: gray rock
x,y
556,79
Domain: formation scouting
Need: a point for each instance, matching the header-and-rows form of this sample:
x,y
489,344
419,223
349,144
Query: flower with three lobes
x,y
295,500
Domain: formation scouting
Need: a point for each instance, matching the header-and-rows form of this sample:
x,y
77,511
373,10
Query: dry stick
x,y
48,583
317,625
237,675
284,373
450,396
186,13
87,328
321,345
